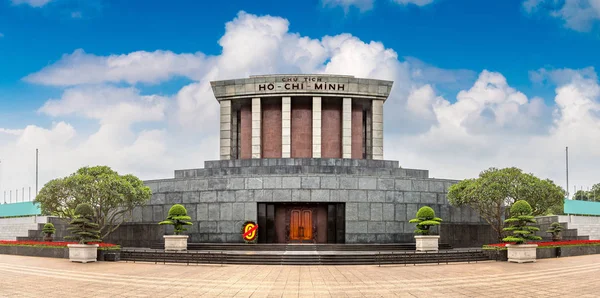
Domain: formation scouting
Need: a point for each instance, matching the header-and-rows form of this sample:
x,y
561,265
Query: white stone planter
x,y
427,242
522,253
83,253
175,242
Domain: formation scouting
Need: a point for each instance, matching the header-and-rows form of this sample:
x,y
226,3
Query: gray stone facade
x,y
380,198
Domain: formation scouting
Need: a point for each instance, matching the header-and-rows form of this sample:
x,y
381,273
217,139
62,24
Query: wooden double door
x,y
301,225
301,222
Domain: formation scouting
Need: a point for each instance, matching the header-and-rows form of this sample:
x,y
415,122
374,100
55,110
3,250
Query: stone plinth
x,y
427,242
83,253
176,242
521,253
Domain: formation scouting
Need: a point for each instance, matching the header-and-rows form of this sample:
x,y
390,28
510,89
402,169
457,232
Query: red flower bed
x,y
49,244
553,243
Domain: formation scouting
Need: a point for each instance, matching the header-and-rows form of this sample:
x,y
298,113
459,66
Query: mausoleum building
x,y
303,157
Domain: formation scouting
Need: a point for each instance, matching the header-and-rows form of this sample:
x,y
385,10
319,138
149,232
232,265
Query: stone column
x,y
369,132
256,127
347,128
286,127
377,111
235,141
316,127
225,119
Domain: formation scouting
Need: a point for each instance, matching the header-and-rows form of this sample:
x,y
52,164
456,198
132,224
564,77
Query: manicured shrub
x,y
82,227
555,229
48,230
178,218
520,216
425,219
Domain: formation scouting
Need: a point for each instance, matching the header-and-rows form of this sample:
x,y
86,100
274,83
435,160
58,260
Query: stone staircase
x,y
304,257
298,247
575,227
17,227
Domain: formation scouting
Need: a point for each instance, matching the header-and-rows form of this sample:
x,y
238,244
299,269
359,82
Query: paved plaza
x,y
47,277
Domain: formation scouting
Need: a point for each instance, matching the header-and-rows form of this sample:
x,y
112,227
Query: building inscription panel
x,y
299,84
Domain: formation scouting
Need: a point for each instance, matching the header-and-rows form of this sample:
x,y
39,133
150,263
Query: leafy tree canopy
x,y
111,196
497,189
593,195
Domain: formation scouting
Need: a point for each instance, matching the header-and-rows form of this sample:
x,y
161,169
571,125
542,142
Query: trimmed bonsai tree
x,y
178,218
48,230
425,220
555,229
520,213
424,241
84,230
82,227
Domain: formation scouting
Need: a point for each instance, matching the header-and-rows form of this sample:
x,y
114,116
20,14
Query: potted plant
x,y
48,230
520,251
85,231
425,220
555,229
178,218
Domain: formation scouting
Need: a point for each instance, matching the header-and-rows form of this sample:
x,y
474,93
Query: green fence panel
x,y
582,207
19,209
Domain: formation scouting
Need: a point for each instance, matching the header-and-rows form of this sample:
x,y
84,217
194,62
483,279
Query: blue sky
x,y
469,34
452,42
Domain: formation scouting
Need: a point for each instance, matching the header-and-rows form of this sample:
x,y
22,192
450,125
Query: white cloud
x,y
415,2
362,5
489,123
14,132
33,3
76,15
145,67
1,34
579,15
522,132
366,5
107,104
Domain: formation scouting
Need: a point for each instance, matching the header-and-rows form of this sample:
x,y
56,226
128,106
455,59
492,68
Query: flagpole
x,y
567,160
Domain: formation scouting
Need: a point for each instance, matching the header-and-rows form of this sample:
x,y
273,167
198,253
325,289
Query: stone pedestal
x,y
83,253
427,242
175,242
522,253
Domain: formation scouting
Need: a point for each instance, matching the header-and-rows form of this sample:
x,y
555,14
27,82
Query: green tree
x,y
111,196
178,218
594,193
48,230
521,215
492,194
555,229
82,227
581,195
425,219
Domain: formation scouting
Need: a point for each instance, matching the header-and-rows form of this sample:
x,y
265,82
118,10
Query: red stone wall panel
x,y
357,132
301,128
246,131
271,128
331,128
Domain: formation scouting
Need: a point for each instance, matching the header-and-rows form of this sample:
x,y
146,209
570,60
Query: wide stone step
x,y
302,259
300,247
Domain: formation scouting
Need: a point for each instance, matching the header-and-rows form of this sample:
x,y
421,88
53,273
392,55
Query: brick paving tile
x,y
46,277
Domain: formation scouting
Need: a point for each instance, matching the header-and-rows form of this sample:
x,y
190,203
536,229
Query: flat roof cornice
x,y
301,85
